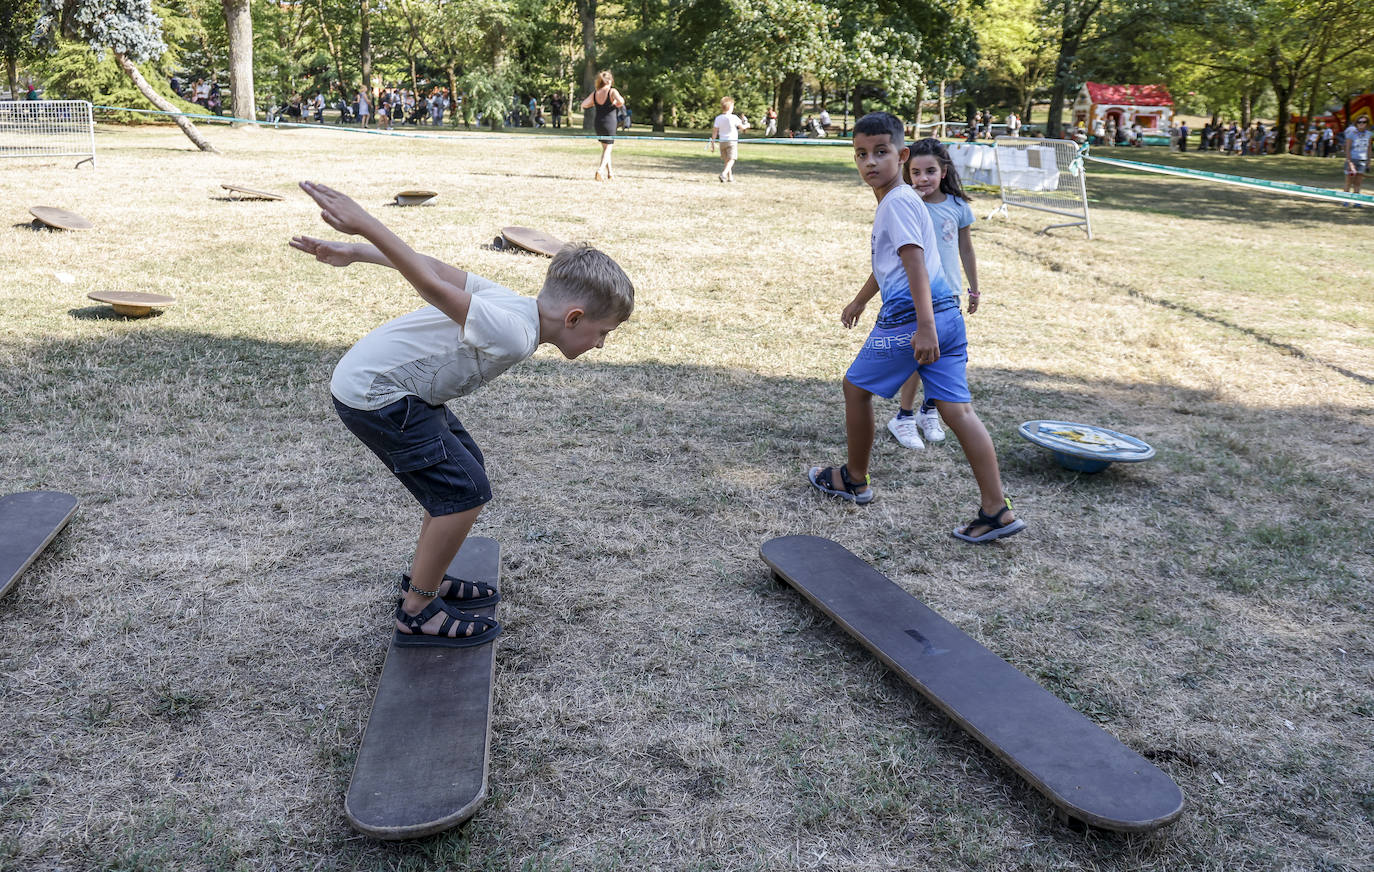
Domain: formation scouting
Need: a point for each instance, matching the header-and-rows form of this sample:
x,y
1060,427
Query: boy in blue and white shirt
x,y
919,329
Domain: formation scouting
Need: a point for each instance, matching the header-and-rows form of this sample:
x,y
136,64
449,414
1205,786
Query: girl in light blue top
x,y
931,173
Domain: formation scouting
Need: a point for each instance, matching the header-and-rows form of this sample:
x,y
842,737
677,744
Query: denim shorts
x,y
886,361
426,448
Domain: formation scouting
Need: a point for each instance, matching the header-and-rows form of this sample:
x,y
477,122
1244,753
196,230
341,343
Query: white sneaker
x,y
929,422
905,431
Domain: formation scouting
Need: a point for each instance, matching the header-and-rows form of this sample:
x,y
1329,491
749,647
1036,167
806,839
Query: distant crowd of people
x,y
390,107
202,93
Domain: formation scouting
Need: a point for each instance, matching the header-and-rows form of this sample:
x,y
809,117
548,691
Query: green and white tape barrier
x,y
1240,181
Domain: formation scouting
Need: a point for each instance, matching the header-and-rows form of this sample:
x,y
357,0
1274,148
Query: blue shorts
x,y
427,449
886,361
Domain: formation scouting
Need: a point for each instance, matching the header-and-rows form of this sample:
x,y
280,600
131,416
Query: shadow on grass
x,y
107,313
39,227
729,416
644,447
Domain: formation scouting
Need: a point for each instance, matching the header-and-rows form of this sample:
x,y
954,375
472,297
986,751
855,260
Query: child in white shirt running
x,y
726,129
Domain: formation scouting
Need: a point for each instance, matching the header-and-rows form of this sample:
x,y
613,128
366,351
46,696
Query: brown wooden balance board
x,y
28,522
422,766
238,192
415,198
132,304
59,219
529,240
1083,770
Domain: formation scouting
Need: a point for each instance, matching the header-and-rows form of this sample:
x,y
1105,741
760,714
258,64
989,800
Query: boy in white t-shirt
x,y
726,129
919,329
390,388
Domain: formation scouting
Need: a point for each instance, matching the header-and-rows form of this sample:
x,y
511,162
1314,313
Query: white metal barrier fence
x,y
1043,174
47,128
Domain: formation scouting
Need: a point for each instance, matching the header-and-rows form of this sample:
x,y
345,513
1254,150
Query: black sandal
x,y
479,630
996,529
823,478
461,592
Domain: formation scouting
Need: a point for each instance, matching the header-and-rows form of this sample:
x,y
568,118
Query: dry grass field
x,y
185,675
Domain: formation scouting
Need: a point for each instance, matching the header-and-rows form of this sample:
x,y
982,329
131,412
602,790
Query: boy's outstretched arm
x,y
337,253
436,288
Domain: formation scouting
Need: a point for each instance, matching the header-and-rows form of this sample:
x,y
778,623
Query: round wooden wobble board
x,y
415,198
132,304
532,240
60,219
242,193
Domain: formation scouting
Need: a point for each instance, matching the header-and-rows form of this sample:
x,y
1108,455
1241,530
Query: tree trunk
x,y
789,102
586,14
11,71
1054,122
1245,109
238,22
656,113
1283,93
131,70
1074,25
941,130
452,95
1312,96
920,98
365,49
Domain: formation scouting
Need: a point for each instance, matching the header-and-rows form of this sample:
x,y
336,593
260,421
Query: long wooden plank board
x,y
422,766
28,522
1076,764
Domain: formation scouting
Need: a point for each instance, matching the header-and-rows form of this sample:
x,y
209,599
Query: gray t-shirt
x,y
427,354
1359,142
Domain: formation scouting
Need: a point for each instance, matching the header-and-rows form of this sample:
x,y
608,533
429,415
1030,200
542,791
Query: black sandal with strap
x,y
822,478
472,629
996,529
461,592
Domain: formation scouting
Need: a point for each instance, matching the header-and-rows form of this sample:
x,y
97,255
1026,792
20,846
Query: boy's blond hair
x,y
584,276
727,103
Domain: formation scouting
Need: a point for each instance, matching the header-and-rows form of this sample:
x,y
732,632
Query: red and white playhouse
x,y
1149,105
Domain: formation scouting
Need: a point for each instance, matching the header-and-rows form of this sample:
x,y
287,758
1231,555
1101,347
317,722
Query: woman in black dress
x,y
605,101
